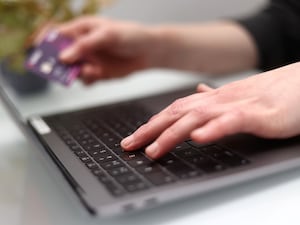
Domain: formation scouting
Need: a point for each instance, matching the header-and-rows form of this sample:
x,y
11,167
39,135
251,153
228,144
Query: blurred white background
x,y
156,11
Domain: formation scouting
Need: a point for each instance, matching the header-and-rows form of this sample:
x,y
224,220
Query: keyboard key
x,y
182,171
85,159
137,185
70,142
117,171
225,156
93,147
75,148
127,178
81,153
97,172
169,160
181,146
159,178
103,178
114,189
206,164
91,165
128,156
149,168
94,154
139,162
125,131
115,145
119,151
112,164
188,152
105,157
189,174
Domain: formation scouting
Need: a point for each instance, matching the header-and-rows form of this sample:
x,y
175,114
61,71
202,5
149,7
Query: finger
x,y
86,45
159,123
90,71
153,128
108,66
178,132
203,88
145,134
227,124
79,26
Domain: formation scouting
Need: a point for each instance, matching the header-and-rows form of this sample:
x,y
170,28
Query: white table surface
x,y
30,194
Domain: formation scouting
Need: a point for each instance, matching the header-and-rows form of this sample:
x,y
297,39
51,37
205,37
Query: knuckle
x,y
176,107
109,32
199,114
199,111
239,113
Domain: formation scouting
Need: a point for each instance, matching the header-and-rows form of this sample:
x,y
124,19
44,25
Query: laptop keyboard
x,y
94,137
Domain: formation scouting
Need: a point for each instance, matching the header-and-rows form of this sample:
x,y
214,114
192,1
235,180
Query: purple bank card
x,y
43,60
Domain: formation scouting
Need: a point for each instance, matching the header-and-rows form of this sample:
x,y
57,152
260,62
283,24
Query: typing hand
x,y
265,105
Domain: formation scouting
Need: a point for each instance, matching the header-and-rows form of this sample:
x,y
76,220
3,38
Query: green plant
x,y
19,19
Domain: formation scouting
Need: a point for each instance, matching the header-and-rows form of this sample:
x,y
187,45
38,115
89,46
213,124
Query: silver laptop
x,y
84,145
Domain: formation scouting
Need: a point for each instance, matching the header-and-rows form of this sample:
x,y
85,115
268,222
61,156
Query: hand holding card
x,y
43,60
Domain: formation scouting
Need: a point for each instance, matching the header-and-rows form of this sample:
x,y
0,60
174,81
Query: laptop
x,y
84,145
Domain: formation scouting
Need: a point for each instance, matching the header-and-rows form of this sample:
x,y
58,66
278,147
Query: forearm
x,y
218,47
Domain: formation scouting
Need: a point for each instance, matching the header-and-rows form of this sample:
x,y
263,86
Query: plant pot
x,y
23,83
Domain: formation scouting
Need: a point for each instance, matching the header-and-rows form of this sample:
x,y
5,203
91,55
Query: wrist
x,y
164,46
179,47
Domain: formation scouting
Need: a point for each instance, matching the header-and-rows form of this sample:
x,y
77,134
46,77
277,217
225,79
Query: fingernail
x,y
127,142
152,150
